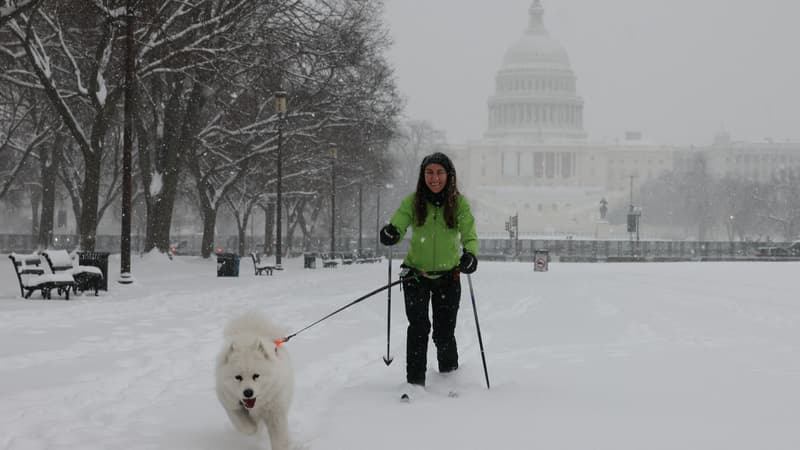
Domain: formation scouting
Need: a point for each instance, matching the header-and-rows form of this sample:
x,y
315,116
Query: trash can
x,y
99,260
541,259
309,260
227,265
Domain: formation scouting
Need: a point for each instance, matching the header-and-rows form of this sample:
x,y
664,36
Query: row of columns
x,y
561,165
554,115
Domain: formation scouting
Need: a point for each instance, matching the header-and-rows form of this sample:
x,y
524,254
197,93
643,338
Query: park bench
x,y
261,268
366,256
32,277
86,277
329,261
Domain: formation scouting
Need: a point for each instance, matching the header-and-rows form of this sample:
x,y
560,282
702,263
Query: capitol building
x,y
536,160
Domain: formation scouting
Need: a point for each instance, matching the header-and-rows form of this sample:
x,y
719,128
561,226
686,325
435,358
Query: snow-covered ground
x,y
585,356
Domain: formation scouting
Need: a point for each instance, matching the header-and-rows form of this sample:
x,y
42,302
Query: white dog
x,y
255,378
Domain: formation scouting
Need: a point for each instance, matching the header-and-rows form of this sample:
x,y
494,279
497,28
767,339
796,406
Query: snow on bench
x,y
32,277
86,277
261,268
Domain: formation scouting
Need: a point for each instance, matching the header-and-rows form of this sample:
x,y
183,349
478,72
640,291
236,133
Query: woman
x,y
439,217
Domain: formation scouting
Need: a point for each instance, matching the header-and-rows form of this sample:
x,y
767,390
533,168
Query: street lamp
x,y
731,234
333,197
280,110
127,158
360,201
377,220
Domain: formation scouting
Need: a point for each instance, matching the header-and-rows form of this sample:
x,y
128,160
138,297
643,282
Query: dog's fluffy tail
x,y
253,323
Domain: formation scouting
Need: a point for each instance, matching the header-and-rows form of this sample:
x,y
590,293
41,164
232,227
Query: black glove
x,y
389,235
469,263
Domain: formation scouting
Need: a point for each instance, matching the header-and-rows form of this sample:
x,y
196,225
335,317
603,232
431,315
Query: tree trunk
x,y
93,159
159,220
49,170
209,224
76,211
289,238
48,213
312,223
301,222
242,229
35,201
156,237
166,163
292,220
89,200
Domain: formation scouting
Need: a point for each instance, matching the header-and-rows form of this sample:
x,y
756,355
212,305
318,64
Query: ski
x,y
407,398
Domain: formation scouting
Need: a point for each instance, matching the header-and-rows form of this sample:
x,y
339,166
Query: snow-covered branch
x,y
10,9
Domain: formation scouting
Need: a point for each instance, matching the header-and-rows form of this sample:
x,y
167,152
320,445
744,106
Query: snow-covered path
x,y
601,356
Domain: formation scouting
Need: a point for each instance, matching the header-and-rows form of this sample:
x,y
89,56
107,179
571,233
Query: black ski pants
x,y
444,294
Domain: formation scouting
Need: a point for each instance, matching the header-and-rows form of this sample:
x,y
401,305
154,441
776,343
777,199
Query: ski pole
x,y
478,326
358,300
388,358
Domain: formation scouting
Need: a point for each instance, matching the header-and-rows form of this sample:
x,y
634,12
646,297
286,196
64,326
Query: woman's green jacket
x,y
435,247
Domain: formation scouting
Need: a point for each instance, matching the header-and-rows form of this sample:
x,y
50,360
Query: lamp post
x,y
731,235
377,220
360,201
127,159
333,197
280,110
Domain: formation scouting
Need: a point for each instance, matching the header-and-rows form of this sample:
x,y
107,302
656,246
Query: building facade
x,y
536,161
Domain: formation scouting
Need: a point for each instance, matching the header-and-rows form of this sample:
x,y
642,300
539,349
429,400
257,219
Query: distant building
x,y
535,158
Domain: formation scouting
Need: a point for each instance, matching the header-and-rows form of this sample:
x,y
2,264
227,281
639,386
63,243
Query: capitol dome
x,y
536,51
535,96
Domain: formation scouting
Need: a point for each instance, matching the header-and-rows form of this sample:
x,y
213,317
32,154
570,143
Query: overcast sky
x,y
676,70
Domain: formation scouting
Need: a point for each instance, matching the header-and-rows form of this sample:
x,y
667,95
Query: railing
x,y
569,250
564,250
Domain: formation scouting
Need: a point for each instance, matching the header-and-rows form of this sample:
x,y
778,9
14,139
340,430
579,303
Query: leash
x,y
281,341
407,273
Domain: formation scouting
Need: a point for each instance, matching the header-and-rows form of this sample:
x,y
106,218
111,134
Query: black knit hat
x,y
438,158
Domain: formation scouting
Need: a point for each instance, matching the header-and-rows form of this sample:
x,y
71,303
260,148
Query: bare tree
x,y
415,139
69,49
782,206
206,75
11,9
28,156
187,54
331,67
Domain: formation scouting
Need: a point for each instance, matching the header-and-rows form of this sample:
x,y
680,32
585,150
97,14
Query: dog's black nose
x,y
248,393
